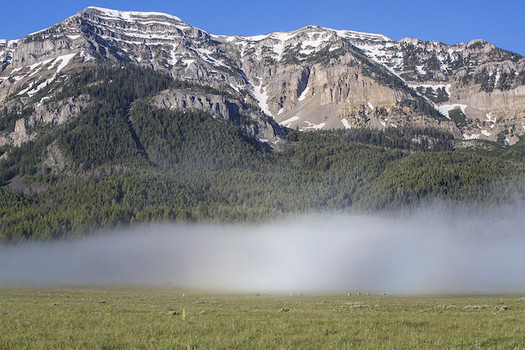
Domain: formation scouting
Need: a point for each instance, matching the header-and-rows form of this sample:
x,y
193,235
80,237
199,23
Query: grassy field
x,y
165,318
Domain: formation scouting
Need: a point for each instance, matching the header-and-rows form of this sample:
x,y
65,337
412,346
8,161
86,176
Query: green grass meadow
x,y
169,318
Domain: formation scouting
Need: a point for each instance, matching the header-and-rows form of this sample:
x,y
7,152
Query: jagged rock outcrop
x,y
220,106
45,114
6,53
55,159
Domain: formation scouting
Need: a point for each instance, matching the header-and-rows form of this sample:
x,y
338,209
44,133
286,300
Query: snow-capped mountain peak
x,y
309,78
130,15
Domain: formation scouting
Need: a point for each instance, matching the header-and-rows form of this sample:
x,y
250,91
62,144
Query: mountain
x,y
311,78
115,118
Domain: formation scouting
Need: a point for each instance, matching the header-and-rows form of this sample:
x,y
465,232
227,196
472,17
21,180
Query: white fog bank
x,y
423,252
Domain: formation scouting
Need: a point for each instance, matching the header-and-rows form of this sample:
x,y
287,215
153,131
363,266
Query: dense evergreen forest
x,y
123,162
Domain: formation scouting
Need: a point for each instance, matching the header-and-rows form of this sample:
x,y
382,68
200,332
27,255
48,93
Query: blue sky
x,y
449,21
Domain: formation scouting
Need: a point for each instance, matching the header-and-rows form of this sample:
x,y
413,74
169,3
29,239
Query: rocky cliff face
x,y
311,78
45,114
476,84
6,53
252,120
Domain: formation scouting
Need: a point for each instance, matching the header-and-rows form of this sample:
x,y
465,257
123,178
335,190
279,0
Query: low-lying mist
x,y
426,251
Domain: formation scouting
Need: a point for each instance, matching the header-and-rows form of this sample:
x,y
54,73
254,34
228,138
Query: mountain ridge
x,y
310,78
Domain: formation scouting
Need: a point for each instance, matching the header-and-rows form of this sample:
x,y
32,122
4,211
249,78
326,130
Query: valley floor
x,y
169,318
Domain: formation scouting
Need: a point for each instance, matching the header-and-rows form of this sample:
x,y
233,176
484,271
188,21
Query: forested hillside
x,y
123,161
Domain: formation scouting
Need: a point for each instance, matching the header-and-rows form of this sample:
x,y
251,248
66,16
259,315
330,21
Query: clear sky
x,y
448,21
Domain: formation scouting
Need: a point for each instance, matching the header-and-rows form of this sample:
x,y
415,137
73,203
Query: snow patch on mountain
x,y
315,40
444,109
486,133
350,34
259,92
7,48
64,61
346,124
206,55
56,64
490,118
289,121
312,126
420,70
87,57
303,94
129,15
471,137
